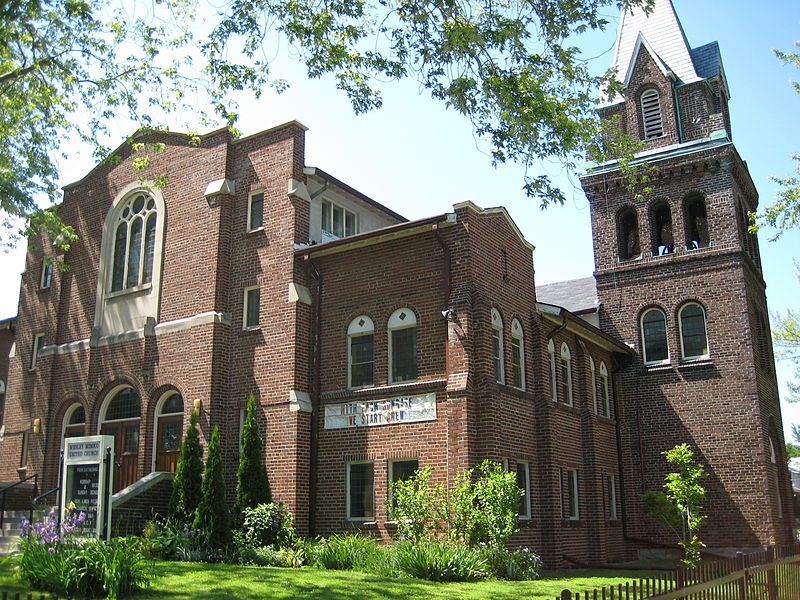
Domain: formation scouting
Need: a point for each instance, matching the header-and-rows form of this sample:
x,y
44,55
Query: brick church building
x,y
376,345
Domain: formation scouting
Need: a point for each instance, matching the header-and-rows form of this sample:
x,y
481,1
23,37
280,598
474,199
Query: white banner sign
x,y
402,409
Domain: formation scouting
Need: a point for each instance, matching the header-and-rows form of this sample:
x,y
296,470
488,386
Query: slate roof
x,y
707,60
576,295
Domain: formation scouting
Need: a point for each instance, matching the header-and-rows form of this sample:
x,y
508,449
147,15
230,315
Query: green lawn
x,y
179,581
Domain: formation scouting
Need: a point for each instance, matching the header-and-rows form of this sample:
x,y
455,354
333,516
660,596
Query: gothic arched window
x,y
361,352
497,347
692,324
566,373
134,243
402,346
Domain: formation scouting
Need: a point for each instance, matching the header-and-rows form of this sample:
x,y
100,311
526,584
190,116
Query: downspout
x,y
678,120
558,328
616,367
316,359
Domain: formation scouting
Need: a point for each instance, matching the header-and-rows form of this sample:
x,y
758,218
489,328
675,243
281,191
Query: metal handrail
x,y
39,498
35,478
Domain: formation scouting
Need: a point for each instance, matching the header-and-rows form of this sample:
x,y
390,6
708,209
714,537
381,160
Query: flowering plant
x,y
51,533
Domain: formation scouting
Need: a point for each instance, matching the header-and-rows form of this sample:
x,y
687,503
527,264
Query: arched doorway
x,y
169,431
74,421
120,417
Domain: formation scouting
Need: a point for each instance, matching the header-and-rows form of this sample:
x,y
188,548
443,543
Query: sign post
x,y
86,482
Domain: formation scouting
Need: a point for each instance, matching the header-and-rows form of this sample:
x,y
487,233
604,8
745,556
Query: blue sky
x,y
419,158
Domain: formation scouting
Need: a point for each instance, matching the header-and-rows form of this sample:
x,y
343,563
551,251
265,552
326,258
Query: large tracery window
x,y
134,243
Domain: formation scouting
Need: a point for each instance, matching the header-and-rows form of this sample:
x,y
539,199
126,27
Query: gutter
x,y
574,323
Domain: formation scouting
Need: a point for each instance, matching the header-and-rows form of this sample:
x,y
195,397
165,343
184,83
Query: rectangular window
x,y
524,482
401,470
255,211
497,353
611,497
46,275
569,494
404,354
252,307
362,360
516,363
360,491
338,221
38,341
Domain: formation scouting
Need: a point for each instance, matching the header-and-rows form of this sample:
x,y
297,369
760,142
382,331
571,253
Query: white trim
x,y
156,414
497,332
245,308
326,229
664,361
397,324
359,330
653,98
35,349
705,331
138,487
220,187
500,210
250,197
566,357
299,293
527,497
101,415
365,519
300,402
204,318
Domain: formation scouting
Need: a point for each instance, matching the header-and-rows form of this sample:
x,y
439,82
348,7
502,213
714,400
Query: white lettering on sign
x,y
403,409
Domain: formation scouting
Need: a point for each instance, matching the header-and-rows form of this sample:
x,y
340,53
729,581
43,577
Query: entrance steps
x,y
10,533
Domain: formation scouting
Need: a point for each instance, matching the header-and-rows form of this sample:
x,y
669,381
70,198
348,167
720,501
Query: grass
x,y
185,581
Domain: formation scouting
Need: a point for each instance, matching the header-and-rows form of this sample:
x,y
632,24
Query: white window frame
x,y
526,516
250,211
36,347
328,228
348,515
658,124
566,358
611,493
606,390
773,458
396,324
666,360
593,383
245,308
46,273
68,416
390,474
498,362
551,351
572,481
518,335
356,330
705,331
158,413
146,213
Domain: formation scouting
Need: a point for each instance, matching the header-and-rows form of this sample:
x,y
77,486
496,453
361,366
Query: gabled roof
x,y
578,296
707,61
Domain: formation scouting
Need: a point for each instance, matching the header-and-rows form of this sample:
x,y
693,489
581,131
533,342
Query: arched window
x,y
360,352
134,243
497,347
628,228
593,385
654,336
169,431
696,222
402,346
566,373
517,355
551,353
606,391
663,240
692,324
773,458
74,421
652,120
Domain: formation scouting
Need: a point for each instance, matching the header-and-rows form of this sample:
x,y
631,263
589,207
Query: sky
x,y
419,158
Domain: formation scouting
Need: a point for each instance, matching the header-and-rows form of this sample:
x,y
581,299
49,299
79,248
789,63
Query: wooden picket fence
x,y
30,596
773,574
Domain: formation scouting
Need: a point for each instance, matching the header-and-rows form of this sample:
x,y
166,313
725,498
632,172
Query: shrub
x,y
273,557
187,481
353,551
53,561
212,519
252,487
442,561
518,564
161,540
417,507
268,525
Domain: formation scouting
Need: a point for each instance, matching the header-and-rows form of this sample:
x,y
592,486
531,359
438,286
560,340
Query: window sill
x,y
693,363
254,232
658,366
129,291
362,523
42,290
565,407
251,329
571,523
603,418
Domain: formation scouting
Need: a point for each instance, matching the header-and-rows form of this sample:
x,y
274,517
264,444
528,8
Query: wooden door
x,y
126,451
168,444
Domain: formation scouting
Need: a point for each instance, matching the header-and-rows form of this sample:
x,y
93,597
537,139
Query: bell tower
x,y
679,280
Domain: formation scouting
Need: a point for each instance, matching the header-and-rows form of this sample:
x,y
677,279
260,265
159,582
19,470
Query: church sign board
x,y
391,411
86,482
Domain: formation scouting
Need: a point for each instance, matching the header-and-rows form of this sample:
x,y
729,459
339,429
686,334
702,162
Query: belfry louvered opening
x,y
651,114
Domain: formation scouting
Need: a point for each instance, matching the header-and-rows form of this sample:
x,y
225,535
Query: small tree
x,y
680,506
417,506
186,484
252,486
212,518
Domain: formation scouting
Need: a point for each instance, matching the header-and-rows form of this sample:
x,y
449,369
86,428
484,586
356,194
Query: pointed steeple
x,y
661,33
